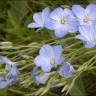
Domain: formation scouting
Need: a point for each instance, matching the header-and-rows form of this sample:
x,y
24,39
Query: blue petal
x,y
58,54
43,62
45,14
90,44
89,32
38,61
11,69
9,77
56,14
15,72
86,31
3,84
71,19
59,60
39,79
69,13
81,37
42,79
35,71
51,24
91,10
38,18
60,33
66,71
78,10
47,67
8,67
7,62
46,50
34,25
58,49
72,28
34,74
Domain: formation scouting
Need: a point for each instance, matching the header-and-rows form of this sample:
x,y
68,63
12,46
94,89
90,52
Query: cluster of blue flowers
x,y
12,73
62,21
50,57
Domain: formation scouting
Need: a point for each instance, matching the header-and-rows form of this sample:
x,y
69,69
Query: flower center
x,y
63,21
86,18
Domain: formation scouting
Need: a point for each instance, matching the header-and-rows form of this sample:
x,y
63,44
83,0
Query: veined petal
x,y
69,13
47,67
15,72
91,10
81,37
5,60
60,33
9,77
40,60
51,24
47,50
12,74
86,32
56,14
3,84
73,27
38,18
35,71
58,54
78,10
34,25
66,71
43,62
45,14
89,33
90,44
40,79
58,49
58,60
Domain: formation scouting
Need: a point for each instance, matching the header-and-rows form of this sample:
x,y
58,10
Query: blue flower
x,y
88,35
40,79
40,19
62,21
12,72
49,56
66,70
85,16
3,83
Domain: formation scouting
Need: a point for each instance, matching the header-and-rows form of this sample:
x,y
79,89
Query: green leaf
x,y
92,1
77,88
18,10
3,92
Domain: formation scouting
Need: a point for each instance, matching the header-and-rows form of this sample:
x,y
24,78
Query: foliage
x,y
21,45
